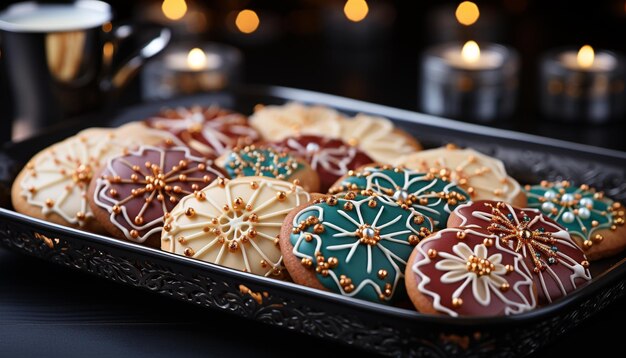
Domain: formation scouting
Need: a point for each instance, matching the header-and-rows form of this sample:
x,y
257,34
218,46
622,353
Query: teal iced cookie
x,y
353,245
269,162
593,220
427,194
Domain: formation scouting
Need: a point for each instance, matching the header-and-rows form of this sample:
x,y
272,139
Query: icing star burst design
x,y
558,264
140,188
537,242
253,161
210,131
357,246
77,174
582,210
236,225
428,195
60,176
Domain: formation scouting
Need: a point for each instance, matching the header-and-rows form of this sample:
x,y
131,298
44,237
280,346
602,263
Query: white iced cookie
x,y
276,123
378,138
53,184
481,176
234,223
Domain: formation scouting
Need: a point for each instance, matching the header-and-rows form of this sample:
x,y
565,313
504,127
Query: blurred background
x,y
371,50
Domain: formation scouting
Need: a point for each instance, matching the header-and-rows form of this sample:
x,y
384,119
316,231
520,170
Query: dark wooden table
x,y
51,311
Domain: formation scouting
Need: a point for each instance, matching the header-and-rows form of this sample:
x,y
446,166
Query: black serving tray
x,y
365,325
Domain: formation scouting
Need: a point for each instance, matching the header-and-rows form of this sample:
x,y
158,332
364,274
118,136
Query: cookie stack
x,y
350,205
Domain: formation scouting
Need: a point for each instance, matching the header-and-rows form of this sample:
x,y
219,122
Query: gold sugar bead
x,y
382,274
457,302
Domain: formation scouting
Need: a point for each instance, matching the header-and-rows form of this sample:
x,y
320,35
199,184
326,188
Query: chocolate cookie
x,y
135,191
330,158
234,223
424,192
482,177
356,246
469,272
594,221
53,184
269,162
208,131
558,265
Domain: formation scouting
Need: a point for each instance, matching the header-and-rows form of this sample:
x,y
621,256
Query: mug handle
x,y
118,77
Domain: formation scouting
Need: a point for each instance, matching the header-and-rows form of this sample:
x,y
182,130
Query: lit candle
x,y
191,69
195,60
470,57
465,81
582,84
587,60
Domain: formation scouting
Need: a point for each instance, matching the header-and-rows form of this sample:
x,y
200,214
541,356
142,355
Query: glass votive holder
x,y
468,83
582,86
191,68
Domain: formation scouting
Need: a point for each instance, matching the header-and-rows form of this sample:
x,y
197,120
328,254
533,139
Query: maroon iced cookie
x,y
468,272
559,266
135,191
330,158
208,131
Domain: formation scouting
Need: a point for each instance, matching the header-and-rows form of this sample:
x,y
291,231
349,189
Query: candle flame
x,y
174,9
585,56
356,10
247,21
467,13
196,59
470,52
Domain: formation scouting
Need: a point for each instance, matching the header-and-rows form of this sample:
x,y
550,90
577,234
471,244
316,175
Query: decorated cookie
x,y
558,265
53,185
276,123
356,246
594,221
378,137
330,158
234,223
483,177
209,131
135,191
138,133
424,192
269,162
469,272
